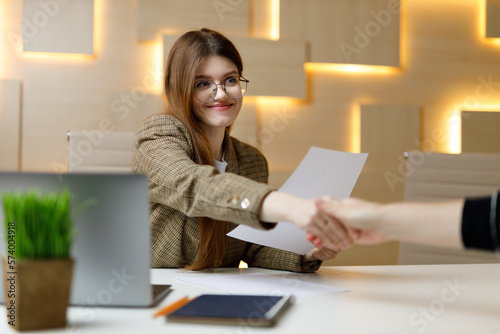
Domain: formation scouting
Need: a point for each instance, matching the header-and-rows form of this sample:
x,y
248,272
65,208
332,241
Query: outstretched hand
x,y
355,221
329,231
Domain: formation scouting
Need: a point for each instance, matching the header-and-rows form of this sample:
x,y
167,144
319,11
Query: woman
x,y
202,181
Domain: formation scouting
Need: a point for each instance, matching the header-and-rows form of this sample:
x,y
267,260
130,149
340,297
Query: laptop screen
x,y
111,248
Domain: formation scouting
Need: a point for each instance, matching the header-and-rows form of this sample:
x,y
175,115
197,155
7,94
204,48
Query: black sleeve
x,y
476,231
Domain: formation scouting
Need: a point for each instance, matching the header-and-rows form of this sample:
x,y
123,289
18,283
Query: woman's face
x,y
222,110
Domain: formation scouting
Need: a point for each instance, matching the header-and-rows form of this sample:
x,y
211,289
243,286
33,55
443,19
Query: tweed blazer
x,y
182,190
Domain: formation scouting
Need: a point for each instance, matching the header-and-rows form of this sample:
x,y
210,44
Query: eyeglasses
x,y
206,90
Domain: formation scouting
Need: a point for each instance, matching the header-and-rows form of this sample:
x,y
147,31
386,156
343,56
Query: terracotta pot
x,y
37,292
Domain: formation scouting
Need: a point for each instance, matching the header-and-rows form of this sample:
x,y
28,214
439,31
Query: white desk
x,y
383,299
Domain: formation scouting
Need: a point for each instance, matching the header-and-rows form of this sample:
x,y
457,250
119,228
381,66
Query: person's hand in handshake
x,y
353,221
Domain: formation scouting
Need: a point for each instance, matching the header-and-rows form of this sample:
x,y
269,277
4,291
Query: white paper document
x,y
321,172
260,284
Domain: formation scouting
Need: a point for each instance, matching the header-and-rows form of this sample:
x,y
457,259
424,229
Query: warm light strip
x,y
98,24
356,130
275,20
402,35
273,100
57,55
482,19
158,67
350,68
455,132
483,107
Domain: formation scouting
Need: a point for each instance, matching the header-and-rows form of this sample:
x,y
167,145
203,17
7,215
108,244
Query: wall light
x,y
158,67
57,56
275,20
350,68
356,129
98,26
455,132
275,100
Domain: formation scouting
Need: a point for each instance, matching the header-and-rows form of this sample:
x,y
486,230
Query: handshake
x,y
334,225
339,224
347,222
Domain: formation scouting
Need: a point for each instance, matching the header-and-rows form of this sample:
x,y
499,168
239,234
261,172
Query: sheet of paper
x,y
260,284
321,172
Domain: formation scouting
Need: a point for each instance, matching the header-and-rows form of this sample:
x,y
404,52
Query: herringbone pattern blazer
x,y
182,190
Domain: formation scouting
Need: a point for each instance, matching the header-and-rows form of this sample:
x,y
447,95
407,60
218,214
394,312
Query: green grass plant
x,y
43,223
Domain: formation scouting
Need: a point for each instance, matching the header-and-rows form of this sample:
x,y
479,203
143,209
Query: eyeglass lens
x,y
206,90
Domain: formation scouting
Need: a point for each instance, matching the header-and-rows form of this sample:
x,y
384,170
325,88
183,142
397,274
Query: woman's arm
x,y
272,258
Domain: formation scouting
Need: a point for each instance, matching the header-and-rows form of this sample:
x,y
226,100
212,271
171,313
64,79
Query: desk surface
x,y
383,299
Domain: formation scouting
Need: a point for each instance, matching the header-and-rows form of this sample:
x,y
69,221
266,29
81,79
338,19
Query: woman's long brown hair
x,y
183,61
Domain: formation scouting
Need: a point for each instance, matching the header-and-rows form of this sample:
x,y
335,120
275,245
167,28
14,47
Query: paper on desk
x,y
260,284
321,172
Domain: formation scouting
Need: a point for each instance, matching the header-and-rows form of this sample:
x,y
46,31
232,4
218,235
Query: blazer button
x,y
234,200
245,203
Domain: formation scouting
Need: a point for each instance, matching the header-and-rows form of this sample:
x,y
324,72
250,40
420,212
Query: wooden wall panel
x,y
345,31
274,68
492,21
480,132
10,125
387,131
176,17
58,26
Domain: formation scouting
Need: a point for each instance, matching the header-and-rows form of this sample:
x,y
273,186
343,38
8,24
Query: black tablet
x,y
242,310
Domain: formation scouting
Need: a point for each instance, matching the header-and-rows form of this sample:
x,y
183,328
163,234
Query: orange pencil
x,y
173,307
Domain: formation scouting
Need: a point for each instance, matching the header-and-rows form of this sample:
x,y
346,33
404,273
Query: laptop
x,y
111,248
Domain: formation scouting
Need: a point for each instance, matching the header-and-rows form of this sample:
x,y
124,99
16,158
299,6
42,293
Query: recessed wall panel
x,y
58,26
176,17
480,132
345,31
492,21
387,132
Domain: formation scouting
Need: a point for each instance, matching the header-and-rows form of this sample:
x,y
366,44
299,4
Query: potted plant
x,y
37,267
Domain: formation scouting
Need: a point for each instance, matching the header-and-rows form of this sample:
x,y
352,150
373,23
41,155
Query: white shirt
x,y
220,165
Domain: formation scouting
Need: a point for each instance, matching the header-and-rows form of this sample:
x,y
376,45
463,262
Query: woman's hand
x,y
320,253
360,218
306,214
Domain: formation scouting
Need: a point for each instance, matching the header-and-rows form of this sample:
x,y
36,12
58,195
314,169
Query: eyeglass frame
x,y
224,88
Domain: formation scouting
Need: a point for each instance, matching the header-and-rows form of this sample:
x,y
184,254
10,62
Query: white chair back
x,y
439,176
